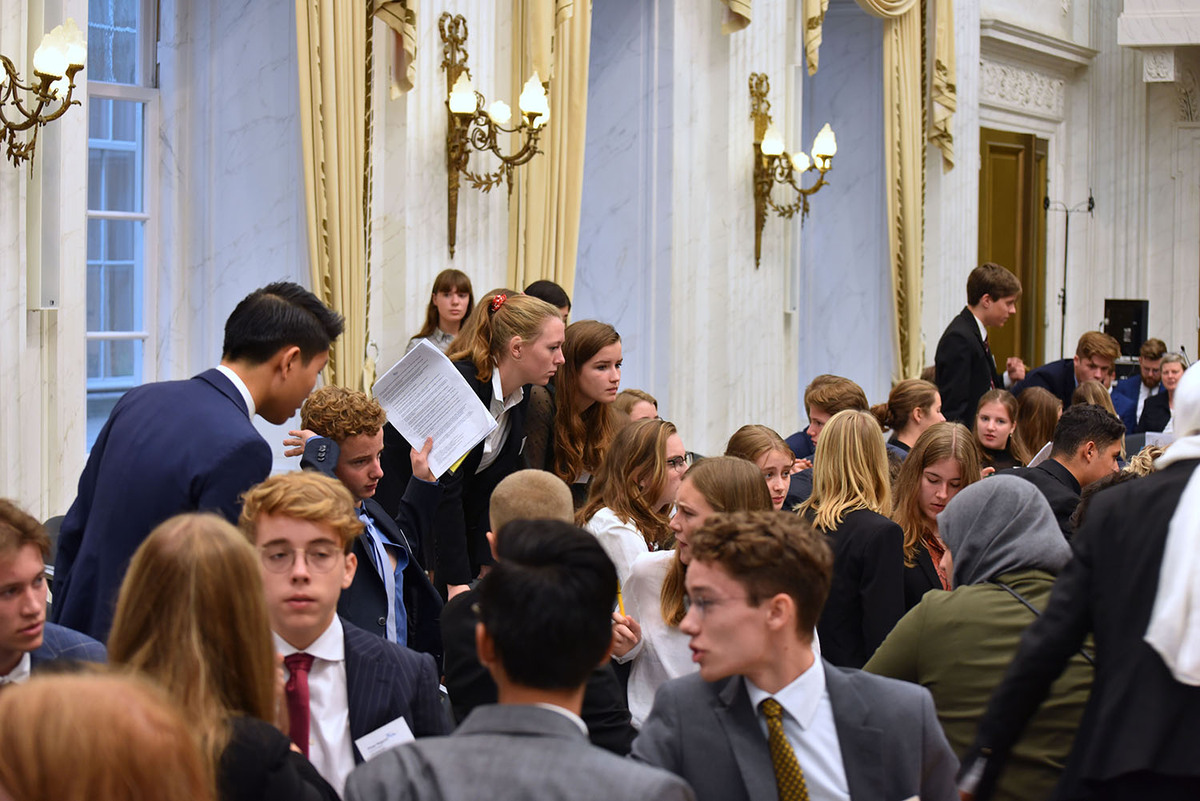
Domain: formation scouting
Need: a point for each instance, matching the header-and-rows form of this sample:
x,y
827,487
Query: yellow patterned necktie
x,y
789,779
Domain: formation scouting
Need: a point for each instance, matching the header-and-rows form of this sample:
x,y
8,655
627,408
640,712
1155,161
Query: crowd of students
x,y
608,614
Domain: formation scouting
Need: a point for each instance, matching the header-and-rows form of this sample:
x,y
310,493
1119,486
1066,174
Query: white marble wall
x,y
42,235
1053,17
845,316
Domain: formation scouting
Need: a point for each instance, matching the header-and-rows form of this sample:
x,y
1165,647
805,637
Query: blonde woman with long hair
x,y
849,503
653,593
943,461
629,501
192,616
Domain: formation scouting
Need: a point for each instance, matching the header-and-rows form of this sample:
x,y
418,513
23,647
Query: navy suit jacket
x,y
963,369
1130,387
1058,377
385,681
167,448
62,644
1126,409
364,603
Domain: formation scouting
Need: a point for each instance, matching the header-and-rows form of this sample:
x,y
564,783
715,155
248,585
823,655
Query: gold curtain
x,y
814,18
331,37
943,97
552,37
904,148
401,17
737,15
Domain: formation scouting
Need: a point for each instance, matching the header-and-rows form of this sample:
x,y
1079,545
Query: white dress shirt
x,y
1143,393
493,443
241,387
19,674
809,726
620,540
330,749
568,714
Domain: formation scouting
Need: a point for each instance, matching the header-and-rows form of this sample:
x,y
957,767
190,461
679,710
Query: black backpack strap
x,y
1036,613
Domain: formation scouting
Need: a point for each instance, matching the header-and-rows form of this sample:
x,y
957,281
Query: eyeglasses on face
x,y
678,463
320,558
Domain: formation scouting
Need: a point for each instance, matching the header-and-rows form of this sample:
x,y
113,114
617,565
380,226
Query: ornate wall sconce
x,y
773,166
469,127
59,57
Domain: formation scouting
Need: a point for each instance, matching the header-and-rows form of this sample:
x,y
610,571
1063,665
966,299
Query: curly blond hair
x,y
303,495
338,413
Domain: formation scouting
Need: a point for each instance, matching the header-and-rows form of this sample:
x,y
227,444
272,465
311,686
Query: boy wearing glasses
x,y
765,717
348,691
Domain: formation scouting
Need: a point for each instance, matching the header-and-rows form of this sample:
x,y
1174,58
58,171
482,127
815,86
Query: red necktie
x,y
992,365
296,690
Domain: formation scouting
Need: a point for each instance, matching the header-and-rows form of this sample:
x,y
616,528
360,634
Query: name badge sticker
x,y
384,738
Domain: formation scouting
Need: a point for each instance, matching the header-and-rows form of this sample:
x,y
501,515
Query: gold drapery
x,y
553,38
736,17
401,17
943,96
814,18
331,38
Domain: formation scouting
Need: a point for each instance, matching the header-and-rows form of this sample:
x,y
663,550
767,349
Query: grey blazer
x,y
892,745
510,753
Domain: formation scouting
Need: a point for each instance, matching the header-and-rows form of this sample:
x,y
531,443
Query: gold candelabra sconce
x,y
773,166
470,127
58,59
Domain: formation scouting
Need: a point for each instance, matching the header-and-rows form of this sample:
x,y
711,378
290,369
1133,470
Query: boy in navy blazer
x,y
347,691
186,446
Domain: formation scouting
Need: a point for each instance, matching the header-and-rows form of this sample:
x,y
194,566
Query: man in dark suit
x,y
183,446
1140,728
528,495
1086,447
348,691
1147,382
27,641
765,717
964,368
1095,354
544,623
392,595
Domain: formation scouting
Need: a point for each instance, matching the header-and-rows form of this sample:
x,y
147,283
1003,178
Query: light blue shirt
x,y
393,580
810,728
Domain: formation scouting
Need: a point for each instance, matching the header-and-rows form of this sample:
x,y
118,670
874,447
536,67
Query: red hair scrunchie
x,y
497,302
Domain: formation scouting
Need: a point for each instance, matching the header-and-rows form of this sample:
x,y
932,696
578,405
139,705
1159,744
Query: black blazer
x,y
1058,378
258,764
605,710
1060,488
866,597
963,369
1156,412
459,546
920,579
1138,718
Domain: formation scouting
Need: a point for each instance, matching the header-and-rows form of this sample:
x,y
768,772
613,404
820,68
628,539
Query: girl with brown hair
x,y
1037,415
767,450
653,593
629,501
571,423
996,428
944,460
450,304
192,616
912,406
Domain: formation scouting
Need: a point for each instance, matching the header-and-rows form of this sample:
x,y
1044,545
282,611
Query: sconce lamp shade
x,y
462,96
772,142
63,47
500,112
533,100
825,145
800,161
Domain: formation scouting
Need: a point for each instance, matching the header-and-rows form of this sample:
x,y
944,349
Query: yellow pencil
x,y
620,602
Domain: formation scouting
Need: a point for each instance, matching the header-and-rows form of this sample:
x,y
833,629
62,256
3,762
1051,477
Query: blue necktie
x,y
397,618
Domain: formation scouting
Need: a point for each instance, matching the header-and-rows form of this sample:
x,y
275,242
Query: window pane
x,y
119,239
113,40
126,121
115,299
93,360
95,304
99,406
120,358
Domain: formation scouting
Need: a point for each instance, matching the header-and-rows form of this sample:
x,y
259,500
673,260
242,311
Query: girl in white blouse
x,y
653,593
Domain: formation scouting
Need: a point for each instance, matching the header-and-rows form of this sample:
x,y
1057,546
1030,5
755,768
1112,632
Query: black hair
x,y
550,292
1084,423
547,603
277,316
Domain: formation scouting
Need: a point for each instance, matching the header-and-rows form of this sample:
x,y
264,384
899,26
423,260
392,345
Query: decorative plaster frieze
x,y
1158,65
1023,89
1066,7
1189,100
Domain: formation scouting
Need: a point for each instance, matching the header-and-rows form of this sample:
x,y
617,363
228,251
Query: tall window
x,y
123,106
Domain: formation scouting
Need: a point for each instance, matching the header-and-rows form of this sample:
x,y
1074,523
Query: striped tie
x,y
789,779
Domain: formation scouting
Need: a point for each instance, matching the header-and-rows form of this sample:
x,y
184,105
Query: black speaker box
x,y
1126,321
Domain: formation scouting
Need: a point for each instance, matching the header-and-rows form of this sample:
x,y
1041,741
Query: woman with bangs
x,y
943,461
192,616
767,450
571,422
850,500
653,593
449,305
629,501
996,428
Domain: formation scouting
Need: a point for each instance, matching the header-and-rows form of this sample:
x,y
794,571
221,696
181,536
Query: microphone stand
x,y
1058,205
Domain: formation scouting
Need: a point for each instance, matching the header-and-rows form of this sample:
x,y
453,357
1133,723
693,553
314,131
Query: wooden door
x,y
1012,233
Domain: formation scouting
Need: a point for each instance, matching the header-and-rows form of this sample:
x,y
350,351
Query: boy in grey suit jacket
x,y
545,622
765,718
